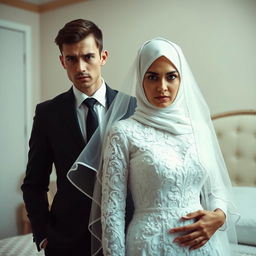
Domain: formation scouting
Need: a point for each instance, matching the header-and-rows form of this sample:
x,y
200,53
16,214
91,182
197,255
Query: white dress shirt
x,y
82,109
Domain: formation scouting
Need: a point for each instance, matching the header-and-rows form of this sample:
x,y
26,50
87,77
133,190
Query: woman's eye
x,y
152,77
171,77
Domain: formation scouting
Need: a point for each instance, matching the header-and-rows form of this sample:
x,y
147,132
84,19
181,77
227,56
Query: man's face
x,y
83,63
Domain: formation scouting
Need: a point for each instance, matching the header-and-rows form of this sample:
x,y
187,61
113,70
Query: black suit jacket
x,y
56,139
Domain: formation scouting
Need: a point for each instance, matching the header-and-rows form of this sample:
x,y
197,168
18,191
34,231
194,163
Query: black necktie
x,y
91,120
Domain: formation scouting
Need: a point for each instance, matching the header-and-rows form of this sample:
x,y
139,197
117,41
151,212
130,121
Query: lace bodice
x,y
165,179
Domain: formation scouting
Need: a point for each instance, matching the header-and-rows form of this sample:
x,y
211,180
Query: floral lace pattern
x,y
165,180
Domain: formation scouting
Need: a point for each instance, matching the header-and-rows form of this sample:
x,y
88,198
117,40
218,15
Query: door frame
x,y
28,70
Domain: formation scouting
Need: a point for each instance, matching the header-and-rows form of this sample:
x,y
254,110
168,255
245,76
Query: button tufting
x,y
238,154
238,129
237,179
219,134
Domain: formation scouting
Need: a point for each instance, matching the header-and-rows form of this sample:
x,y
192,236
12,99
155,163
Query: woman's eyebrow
x,y
151,73
155,73
172,72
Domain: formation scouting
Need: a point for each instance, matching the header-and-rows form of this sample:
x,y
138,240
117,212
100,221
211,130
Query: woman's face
x,y
161,83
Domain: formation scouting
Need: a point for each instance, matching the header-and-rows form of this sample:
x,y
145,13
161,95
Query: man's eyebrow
x,y
89,54
70,56
74,56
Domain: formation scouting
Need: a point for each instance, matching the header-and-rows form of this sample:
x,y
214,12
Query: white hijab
x,y
173,118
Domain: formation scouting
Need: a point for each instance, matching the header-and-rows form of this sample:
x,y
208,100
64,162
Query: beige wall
x,y
31,19
217,37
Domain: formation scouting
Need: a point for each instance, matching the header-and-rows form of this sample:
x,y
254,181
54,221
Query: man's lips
x,y
83,77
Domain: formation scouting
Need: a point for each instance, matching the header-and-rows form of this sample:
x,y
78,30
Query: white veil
x,y
192,116
86,168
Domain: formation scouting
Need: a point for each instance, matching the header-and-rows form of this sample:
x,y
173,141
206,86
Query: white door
x,y
13,148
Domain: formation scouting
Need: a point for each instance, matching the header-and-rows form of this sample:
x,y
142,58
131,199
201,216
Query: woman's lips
x,y
163,98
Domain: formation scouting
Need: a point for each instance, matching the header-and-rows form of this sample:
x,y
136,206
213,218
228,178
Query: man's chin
x,y
81,86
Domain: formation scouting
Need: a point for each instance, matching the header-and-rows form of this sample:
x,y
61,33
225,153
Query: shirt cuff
x,y
41,244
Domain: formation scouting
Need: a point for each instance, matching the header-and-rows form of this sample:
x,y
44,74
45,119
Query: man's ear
x,y
62,61
104,57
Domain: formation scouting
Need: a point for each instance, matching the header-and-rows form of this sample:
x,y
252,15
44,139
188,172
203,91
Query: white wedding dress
x,y
165,178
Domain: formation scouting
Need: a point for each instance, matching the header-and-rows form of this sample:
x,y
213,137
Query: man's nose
x,y
81,66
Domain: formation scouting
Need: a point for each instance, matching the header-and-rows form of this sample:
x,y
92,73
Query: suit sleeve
x,y
36,181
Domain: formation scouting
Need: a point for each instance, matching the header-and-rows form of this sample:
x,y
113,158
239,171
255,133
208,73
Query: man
x,y
60,132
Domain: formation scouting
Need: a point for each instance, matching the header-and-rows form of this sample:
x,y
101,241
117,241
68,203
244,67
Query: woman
x,y
167,154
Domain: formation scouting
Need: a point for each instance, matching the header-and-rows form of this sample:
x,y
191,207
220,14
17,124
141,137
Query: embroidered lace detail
x,y
165,179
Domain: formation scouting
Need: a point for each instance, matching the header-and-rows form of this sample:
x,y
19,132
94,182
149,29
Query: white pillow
x,y
246,203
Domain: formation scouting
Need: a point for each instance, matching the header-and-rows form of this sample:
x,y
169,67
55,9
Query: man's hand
x,y
207,222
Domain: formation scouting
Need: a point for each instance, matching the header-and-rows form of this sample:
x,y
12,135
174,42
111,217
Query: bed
x,y
236,133
22,245
19,246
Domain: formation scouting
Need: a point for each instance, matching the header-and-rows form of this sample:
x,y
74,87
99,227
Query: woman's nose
x,y
162,86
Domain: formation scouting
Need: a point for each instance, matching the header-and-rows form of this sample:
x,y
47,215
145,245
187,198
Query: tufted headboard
x,y
236,132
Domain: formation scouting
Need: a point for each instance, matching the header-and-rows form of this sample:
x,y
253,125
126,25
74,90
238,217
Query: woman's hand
x,y
207,222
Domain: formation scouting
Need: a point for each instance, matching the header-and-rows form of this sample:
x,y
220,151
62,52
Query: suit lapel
x,y
110,95
70,118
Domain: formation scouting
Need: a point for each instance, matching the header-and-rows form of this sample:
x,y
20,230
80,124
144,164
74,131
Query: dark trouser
x,y
76,251
80,248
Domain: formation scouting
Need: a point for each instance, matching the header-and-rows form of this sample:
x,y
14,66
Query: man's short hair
x,y
76,30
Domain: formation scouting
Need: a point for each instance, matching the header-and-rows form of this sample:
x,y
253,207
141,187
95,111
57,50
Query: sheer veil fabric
x,y
88,166
188,113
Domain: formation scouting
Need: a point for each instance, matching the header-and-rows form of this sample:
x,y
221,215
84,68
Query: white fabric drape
x,y
86,167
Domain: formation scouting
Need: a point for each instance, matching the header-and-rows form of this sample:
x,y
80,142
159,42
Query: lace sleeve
x,y
216,197
114,190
